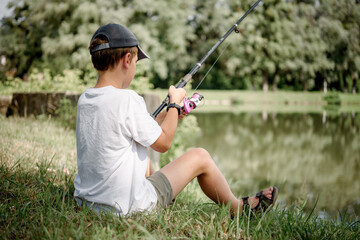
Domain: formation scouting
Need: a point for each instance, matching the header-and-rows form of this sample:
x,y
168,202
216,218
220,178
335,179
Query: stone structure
x,y
5,102
36,103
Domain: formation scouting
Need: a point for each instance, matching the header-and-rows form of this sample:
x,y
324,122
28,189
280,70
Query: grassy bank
x,y
38,165
278,101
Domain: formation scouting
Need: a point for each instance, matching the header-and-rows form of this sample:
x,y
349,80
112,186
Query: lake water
x,y
312,158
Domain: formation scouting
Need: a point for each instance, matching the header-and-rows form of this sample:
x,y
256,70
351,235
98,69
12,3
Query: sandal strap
x,y
245,201
264,202
260,195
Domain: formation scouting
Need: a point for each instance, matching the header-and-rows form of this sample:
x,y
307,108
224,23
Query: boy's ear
x,y
126,60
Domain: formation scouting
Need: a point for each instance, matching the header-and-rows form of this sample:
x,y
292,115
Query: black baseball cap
x,y
118,37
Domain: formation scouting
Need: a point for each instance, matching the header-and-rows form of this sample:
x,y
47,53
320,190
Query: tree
x,y
289,44
55,34
166,33
311,50
340,28
44,34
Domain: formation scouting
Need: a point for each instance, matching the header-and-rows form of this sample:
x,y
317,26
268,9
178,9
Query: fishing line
x,y
212,65
236,30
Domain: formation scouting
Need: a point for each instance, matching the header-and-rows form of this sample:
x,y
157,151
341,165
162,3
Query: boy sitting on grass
x,y
114,130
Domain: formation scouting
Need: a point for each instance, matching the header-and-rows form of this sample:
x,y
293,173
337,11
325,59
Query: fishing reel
x,y
192,102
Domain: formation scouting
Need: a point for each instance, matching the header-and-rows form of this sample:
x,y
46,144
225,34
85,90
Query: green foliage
x,y
282,44
333,102
141,83
66,114
332,98
186,132
339,25
69,80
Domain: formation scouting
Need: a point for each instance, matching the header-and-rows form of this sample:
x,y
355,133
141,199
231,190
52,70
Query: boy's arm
x,y
170,121
160,118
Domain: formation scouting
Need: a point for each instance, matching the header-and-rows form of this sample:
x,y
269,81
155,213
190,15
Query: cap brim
x,y
142,54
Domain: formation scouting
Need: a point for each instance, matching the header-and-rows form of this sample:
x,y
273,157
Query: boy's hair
x,y
108,58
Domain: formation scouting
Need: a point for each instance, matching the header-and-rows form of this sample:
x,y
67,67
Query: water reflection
x,y
309,156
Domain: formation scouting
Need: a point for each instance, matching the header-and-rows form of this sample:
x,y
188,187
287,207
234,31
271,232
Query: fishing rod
x,y
192,102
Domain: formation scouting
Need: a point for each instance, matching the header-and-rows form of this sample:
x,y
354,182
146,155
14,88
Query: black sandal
x,y
265,204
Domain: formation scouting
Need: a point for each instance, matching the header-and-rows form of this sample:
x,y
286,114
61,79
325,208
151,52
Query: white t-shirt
x,y
113,132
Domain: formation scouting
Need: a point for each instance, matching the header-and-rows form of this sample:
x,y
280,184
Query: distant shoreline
x,y
277,101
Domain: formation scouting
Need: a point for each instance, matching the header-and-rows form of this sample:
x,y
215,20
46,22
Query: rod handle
x,y
166,101
161,107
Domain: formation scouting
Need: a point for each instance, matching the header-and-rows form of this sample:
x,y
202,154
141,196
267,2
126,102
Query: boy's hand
x,y
182,114
176,94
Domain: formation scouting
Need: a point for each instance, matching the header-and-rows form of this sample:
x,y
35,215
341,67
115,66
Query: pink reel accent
x,y
191,103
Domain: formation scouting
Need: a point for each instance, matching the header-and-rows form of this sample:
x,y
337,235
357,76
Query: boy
x,y
114,130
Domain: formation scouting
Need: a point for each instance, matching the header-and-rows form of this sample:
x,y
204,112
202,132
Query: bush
x,y
332,98
72,80
66,114
333,102
141,82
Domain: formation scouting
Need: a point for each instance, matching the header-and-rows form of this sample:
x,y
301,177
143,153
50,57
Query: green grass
x,y
38,165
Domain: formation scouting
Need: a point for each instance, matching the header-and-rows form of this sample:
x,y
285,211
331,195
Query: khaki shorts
x,y
163,189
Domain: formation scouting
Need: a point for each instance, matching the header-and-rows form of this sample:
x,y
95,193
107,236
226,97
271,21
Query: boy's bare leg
x,y
198,163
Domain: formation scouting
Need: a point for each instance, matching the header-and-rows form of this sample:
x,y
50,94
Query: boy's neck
x,y
111,78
